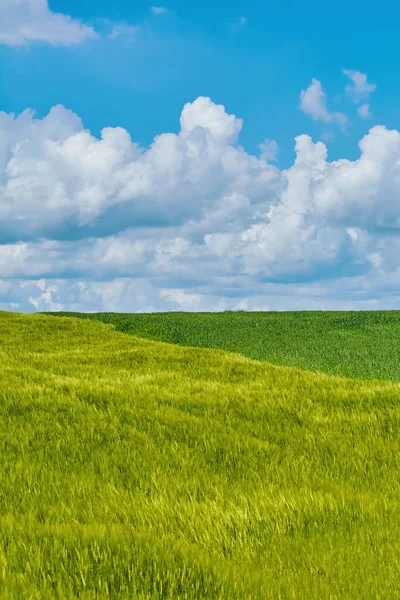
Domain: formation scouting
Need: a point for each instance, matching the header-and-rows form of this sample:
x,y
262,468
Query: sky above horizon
x,y
199,156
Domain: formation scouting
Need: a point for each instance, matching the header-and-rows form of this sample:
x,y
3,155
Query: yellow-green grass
x,y
137,469
363,344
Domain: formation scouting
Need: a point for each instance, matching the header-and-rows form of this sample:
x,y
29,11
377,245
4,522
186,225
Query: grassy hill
x,y
138,469
353,344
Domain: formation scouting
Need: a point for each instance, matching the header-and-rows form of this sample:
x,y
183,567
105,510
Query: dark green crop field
x,y
137,469
353,344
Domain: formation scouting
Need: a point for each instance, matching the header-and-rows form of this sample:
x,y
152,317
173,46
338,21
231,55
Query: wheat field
x,y
133,468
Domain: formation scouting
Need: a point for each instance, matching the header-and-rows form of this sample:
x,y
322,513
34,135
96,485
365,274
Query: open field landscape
x,y
135,468
199,207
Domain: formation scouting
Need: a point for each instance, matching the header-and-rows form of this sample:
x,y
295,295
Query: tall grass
x,y
352,344
137,469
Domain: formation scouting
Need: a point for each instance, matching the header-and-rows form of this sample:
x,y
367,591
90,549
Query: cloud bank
x,y
193,222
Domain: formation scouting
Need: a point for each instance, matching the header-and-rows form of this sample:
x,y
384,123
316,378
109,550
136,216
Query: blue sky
x,y
256,70
323,75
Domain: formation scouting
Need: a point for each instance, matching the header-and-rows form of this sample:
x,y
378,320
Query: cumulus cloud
x,y
313,103
330,215
193,222
24,21
58,180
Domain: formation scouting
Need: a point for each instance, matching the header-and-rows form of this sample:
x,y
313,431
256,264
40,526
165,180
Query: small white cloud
x,y
243,21
313,103
159,10
359,88
363,111
122,30
269,150
24,21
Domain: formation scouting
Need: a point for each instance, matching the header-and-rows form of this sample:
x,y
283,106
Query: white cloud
x,y
358,91
363,111
204,117
24,21
159,10
313,103
359,88
56,177
193,222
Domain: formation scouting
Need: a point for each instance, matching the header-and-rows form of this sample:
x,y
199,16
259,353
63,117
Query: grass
x,y
138,469
365,345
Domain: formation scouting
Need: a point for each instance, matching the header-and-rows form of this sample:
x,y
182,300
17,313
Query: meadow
x,y
134,468
362,344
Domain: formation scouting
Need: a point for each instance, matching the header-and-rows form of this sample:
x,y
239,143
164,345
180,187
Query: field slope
x,y
138,469
363,344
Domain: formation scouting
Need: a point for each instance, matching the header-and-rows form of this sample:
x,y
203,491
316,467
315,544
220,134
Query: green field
x,y
132,468
365,345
